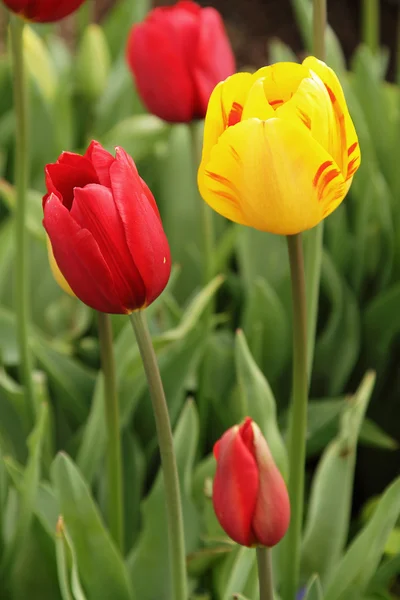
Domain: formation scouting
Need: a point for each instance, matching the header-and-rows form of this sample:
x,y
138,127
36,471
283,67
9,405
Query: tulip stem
x,y
21,234
265,578
114,455
371,24
207,222
168,461
298,418
319,27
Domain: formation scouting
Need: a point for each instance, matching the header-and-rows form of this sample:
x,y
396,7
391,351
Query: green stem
x,y
298,418
207,223
319,27
371,24
21,237
313,242
398,46
114,455
167,453
265,579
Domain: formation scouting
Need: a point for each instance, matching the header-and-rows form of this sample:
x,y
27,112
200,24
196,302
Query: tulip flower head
x,y
280,149
177,56
249,495
107,243
43,11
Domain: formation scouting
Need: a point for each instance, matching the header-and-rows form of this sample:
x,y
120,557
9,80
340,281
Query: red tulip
x,y
177,57
105,231
250,496
43,11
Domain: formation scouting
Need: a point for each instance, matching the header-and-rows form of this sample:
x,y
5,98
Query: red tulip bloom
x,y
177,57
43,11
250,497
108,243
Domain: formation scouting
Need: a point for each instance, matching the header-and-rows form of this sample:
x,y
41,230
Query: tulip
x,y
249,494
107,243
177,56
43,11
280,149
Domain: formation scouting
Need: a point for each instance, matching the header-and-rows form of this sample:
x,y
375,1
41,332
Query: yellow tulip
x,y
280,149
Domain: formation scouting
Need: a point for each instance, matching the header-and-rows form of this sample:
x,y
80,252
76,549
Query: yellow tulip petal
x,y
271,175
256,104
311,105
224,108
58,276
281,81
336,94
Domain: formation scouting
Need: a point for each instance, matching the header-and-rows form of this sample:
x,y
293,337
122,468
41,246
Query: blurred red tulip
x,y
250,496
43,11
177,57
107,240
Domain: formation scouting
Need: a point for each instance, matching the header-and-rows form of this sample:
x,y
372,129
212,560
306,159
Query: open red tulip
x,y
107,240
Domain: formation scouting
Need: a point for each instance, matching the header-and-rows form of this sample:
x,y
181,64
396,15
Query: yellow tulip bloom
x,y
280,149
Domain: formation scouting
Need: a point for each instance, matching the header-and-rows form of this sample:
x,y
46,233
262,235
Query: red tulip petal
x,y
272,511
79,259
44,11
94,209
162,78
235,487
144,233
70,171
214,57
101,161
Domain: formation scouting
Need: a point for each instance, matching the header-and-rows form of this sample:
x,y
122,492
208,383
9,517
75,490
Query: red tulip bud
x,y
107,240
177,57
250,496
43,11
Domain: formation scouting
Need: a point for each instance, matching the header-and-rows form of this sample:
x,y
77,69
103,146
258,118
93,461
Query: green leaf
x,y
258,401
100,566
180,208
230,577
39,64
322,422
381,324
358,565
372,435
335,354
74,383
265,323
314,589
93,49
148,564
329,511
64,550
27,490
138,135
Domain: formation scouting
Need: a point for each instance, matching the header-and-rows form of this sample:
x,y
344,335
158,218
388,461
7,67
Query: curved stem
x,y
21,237
114,454
265,579
207,223
167,453
298,418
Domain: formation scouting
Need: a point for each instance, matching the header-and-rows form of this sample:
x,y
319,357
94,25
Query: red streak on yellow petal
x,y
352,148
331,94
327,178
235,114
321,169
352,167
274,103
305,118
